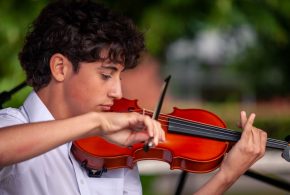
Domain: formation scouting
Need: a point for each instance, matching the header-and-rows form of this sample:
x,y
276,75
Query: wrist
x,y
227,178
218,184
93,123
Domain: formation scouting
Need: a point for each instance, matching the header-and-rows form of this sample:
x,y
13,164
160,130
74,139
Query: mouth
x,y
106,108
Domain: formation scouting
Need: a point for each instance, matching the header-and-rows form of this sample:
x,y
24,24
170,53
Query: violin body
x,y
188,153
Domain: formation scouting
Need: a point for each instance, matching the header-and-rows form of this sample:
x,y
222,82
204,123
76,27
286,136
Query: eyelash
x,y
106,76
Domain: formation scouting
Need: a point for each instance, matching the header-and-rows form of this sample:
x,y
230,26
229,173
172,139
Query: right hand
x,y
126,129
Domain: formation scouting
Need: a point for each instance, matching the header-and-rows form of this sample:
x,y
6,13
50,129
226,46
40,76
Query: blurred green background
x,y
227,55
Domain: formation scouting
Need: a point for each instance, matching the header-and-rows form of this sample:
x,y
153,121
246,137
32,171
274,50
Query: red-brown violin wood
x,y
196,141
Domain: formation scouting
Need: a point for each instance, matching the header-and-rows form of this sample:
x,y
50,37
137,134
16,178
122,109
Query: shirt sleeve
x,y
11,116
8,117
132,183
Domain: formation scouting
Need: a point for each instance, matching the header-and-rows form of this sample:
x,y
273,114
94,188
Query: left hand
x,y
249,149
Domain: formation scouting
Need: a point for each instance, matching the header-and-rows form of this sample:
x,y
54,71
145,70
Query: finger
x,y
260,139
243,119
239,124
256,137
153,140
140,137
163,138
247,131
263,135
137,122
250,121
161,133
157,133
149,126
139,126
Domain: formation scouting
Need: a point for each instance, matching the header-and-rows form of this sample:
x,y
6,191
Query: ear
x,y
59,66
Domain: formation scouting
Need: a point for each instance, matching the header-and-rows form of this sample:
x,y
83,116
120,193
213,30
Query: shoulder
x,y
12,116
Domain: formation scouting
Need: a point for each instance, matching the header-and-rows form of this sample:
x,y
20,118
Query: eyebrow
x,y
110,67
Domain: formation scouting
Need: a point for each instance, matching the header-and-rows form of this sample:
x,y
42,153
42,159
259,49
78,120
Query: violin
x,y
196,141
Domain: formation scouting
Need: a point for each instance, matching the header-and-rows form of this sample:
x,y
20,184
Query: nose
x,y
116,90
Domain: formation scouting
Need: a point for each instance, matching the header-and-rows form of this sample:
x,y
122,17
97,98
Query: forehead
x,y
105,62
101,65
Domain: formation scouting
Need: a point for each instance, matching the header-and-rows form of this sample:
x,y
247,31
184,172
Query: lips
x,y
106,107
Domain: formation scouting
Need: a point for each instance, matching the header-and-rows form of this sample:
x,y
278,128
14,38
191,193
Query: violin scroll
x,y
286,151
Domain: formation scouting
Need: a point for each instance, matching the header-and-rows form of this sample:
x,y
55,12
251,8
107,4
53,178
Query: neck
x,y
53,99
186,127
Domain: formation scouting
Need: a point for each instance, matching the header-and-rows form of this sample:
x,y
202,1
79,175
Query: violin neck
x,y
180,126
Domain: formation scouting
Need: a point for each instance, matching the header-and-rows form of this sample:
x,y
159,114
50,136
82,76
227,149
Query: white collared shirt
x,y
57,172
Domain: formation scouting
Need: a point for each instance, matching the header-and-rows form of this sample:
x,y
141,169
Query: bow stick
x,y
156,113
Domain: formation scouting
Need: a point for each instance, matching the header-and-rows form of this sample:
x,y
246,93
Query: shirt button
x,y
82,181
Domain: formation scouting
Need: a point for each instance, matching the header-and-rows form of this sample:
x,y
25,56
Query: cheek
x,y
79,93
76,95
85,94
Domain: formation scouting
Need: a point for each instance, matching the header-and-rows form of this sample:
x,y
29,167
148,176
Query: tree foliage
x,y
165,21
265,66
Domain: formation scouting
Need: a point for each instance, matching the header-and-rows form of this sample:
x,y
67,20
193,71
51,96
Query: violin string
x,y
173,117
165,116
220,129
217,129
208,132
209,128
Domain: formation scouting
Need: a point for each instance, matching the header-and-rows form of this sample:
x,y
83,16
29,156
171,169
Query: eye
x,y
106,76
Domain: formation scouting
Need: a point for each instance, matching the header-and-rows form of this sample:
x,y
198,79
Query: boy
x,y
73,57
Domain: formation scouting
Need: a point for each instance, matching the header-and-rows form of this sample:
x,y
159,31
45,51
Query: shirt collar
x,y
35,109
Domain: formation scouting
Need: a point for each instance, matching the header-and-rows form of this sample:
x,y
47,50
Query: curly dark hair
x,y
79,31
